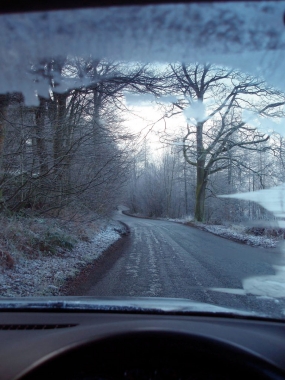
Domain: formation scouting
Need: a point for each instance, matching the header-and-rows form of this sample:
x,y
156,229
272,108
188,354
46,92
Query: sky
x,y
146,119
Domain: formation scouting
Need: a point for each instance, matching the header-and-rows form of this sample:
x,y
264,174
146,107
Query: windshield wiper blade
x,y
141,305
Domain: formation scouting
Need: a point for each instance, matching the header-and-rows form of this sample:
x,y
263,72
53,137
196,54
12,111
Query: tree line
x,y
72,151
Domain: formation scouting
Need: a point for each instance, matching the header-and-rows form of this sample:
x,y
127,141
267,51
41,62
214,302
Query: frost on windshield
x,y
249,36
161,107
196,110
273,200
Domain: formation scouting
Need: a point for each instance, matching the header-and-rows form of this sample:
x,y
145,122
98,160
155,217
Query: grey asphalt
x,y
166,259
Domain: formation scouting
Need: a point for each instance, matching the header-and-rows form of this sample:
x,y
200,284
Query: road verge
x,y
234,233
48,274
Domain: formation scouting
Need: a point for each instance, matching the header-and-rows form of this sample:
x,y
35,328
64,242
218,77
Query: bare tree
x,y
213,99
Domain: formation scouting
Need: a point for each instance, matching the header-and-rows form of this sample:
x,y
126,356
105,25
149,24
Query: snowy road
x,y
166,259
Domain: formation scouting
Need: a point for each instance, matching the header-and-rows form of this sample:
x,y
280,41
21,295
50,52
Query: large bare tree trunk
x,y
200,191
201,175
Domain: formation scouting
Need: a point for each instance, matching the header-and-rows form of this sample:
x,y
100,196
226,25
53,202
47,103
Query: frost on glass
x,y
246,36
196,110
264,124
273,200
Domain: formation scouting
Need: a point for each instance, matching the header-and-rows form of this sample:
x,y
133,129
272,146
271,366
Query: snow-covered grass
x,y
234,232
238,233
46,273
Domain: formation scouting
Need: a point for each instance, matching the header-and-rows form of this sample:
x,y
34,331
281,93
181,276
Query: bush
x,y
51,241
23,237
31,236
269,232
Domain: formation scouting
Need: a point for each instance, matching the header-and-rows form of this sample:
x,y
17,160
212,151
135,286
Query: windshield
x,y
142,153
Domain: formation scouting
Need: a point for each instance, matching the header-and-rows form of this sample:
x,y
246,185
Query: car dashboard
x,y
114,345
